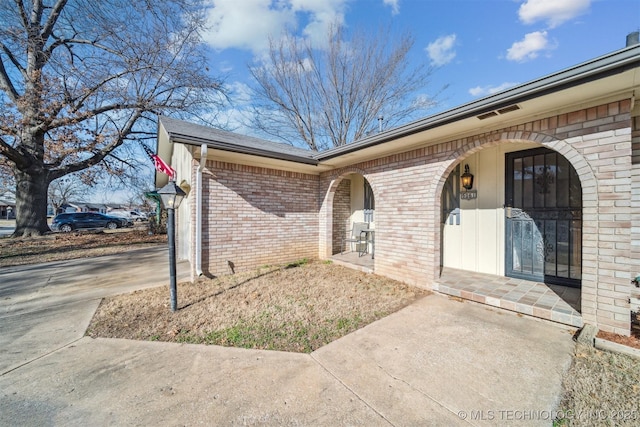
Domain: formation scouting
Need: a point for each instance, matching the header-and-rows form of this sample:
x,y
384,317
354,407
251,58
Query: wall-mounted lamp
x,y
467,178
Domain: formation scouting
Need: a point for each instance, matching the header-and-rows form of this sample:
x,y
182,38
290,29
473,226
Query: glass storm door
x,y
543,209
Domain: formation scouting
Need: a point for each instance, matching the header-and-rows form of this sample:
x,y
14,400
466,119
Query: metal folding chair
x,y
358,236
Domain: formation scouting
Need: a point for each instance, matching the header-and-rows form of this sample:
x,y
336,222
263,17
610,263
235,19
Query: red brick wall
x,y
256,216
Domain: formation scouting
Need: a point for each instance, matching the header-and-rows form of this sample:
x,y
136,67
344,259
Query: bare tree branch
x,y
54,14
9,152
65,190
332,95
5,82
80,79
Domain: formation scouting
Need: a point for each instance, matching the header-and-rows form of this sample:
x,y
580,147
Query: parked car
x,y
138,216
130,215
67,222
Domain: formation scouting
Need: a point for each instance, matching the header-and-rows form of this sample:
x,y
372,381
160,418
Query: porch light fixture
x,y
171,196
467,178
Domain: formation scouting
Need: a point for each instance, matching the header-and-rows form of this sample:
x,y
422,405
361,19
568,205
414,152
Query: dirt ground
x,y
631,341
299,307
61,246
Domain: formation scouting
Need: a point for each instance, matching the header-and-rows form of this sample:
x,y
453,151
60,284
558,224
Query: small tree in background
x,y
66,189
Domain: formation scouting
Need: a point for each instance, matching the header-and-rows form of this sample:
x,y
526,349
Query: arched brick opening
x,y
328,231
589,198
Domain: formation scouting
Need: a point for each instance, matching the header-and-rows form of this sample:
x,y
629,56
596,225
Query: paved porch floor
x,y
352,260
551,302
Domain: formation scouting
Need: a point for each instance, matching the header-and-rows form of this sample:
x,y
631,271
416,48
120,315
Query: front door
x,y
543,209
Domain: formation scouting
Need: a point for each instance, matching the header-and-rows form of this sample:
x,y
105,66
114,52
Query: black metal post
x,y
172,258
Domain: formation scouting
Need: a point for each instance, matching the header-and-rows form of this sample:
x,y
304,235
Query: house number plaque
x,y
469,195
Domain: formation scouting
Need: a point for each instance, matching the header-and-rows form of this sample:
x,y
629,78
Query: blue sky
x,y
478,46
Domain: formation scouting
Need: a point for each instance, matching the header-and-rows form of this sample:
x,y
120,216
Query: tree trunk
x,y
31,203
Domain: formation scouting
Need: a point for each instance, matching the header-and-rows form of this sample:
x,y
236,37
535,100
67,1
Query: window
x,y
369,202
451,198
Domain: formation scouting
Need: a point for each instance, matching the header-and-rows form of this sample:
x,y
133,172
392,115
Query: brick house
x,y
550,226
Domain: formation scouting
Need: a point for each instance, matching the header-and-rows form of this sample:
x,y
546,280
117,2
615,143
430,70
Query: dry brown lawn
x,y
78,244
299,307
601,389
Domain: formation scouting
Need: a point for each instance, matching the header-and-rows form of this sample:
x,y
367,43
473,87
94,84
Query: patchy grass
x,y
79,244
298,307
601,389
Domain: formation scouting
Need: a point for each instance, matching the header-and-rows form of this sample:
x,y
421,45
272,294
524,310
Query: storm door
x,y
543,209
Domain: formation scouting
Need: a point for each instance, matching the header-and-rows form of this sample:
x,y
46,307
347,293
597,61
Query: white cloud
x,y
490,90
529,47
321,14
234,116
553,12
441,51
248,24
240,92
424,101
245,24
225,66
395,6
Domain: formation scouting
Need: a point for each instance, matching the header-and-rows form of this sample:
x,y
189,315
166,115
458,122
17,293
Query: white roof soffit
x,y
165,151
232,148
604,79
258,160
195,134
230,153
235,148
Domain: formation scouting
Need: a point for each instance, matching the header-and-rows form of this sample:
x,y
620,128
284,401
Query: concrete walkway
x,y
436,362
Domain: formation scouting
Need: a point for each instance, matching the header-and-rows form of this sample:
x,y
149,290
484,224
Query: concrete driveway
x,y
436,362
44,307
7,226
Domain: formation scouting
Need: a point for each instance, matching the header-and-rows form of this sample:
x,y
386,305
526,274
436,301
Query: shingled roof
x,y
189,133
608,65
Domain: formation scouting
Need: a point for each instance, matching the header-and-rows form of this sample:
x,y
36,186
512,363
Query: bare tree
x,y
330,96
65,189
79,79
7,183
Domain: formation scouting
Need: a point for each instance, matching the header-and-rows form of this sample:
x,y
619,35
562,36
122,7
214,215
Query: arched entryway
x,y
353,222
514,240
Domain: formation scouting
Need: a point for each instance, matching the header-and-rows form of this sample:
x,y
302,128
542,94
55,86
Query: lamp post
x,y
171,196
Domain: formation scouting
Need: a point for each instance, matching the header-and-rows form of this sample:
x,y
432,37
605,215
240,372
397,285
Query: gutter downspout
x,y
203,161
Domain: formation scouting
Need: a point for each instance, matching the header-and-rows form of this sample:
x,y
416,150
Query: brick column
x,y
341,213
635,201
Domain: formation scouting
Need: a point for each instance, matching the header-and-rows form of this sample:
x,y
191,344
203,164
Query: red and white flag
x,y
158,163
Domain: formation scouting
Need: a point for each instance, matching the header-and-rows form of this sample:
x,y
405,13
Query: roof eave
x,y
233,148
611,64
